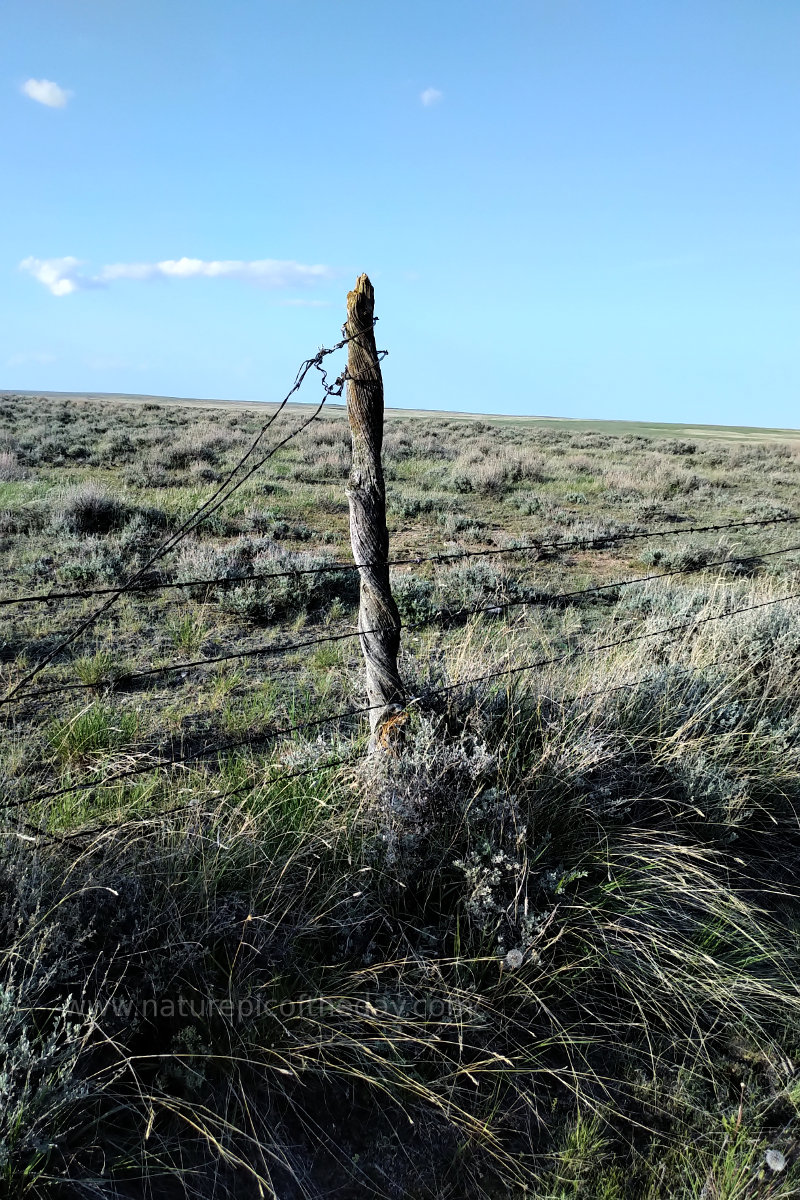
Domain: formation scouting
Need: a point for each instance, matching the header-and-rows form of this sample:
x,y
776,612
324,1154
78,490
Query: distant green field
x,y
738,433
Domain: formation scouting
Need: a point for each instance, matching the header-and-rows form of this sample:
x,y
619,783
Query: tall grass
x,y
549,949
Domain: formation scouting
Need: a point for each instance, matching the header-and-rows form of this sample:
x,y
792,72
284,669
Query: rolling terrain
x,y
651,429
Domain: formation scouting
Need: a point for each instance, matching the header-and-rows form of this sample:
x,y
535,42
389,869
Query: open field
x,y
650,429
548,948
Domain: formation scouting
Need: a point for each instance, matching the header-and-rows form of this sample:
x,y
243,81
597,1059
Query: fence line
x,y
61,839
347,760
588,543
331,718
456,615
248,463
217,499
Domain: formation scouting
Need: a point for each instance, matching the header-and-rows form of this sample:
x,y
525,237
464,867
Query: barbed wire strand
x,y
348,760
588,543
275,734
218,498
53,838
456,615
251,786
186,527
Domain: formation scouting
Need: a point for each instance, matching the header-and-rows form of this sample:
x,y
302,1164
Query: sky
x,y
575,208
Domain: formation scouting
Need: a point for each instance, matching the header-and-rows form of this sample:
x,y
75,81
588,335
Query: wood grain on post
x,y
378,618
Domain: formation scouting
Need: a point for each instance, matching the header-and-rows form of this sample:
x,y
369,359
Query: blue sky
x,y
584,208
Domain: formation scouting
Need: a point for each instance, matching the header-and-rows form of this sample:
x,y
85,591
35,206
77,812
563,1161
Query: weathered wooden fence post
x,y
378,618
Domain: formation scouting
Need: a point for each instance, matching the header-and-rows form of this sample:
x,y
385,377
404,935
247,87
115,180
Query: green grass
x,y
547,948
15,494
188,630
92,730
95,669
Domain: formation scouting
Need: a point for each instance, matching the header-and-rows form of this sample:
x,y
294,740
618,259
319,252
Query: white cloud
x,y
430,96
59,275
44,91
267,271
63,276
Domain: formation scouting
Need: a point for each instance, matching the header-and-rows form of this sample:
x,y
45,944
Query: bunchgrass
x,y
95,669
94,729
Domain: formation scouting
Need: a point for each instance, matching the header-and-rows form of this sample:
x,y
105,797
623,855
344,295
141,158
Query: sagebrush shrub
x,y
202,443
301,584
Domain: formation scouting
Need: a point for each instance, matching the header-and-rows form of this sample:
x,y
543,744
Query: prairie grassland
x,y
546,949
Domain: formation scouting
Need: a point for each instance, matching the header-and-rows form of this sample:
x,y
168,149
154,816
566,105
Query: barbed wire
x,y
219,496
347,760
495,607
32,831
108,685
242,470
590,542
426,695
251,786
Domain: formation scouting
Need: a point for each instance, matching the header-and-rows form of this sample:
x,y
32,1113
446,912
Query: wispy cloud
x,y
61,276
44,91
430,96
42,358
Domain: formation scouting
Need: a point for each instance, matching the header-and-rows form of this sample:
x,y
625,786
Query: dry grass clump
x,y
329,461
335,432
11,470
91,508
202,443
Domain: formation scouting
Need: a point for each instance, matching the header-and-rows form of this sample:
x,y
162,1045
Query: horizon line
x,y
146,397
